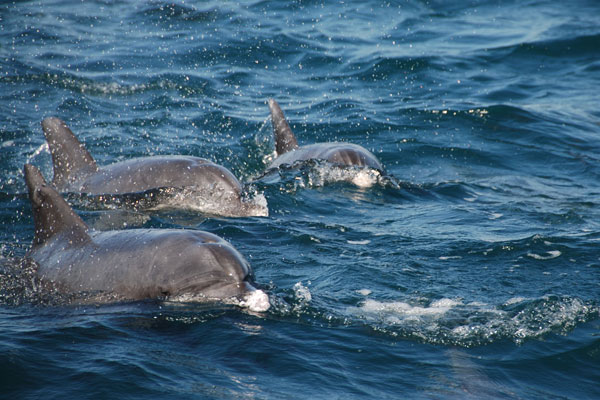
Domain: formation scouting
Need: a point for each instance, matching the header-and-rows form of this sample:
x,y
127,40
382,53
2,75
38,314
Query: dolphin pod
x,y
76,171
338,153
134,264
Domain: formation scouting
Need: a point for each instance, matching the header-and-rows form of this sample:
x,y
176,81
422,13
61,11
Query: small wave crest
x,y
398,309
548,256
451,321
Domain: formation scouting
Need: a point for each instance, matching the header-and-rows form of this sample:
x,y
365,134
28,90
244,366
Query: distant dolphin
x,y
135,264
288,151
75,170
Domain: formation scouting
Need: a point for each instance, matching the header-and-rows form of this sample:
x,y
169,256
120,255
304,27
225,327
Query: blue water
x,y
476,276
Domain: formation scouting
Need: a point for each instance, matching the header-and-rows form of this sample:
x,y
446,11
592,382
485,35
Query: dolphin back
x,y
285,140
52,215
69,156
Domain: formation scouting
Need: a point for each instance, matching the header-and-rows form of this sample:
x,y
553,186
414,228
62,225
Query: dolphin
x,y
215,188
135,264
337,153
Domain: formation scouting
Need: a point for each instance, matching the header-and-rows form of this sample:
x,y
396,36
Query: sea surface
x,y
471,271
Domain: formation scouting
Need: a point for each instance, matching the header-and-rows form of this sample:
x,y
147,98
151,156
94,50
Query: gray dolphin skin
x,y
338,153
75,171
135,264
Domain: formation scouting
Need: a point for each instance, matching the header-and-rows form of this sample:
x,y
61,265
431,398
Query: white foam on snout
x,y
256,300
365,178
361,177
325,173
217,202
259,204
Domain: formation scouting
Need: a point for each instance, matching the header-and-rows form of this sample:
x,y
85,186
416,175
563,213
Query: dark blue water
x,y
477,276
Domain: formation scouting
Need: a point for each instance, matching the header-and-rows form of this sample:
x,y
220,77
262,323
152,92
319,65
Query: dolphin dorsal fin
x,y
284,137
51,213
69,156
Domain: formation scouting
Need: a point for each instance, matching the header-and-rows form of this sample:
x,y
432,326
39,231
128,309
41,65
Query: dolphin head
x,y
213,270
218,191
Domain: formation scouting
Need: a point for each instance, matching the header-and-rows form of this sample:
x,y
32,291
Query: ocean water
x,y
473,271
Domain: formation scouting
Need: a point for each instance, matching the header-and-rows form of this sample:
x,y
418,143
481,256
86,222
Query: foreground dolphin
x,y
136,264
288,151
215,188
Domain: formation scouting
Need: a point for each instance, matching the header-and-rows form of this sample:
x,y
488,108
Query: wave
x,y
186,84
444,321
170,12
455,322
583,46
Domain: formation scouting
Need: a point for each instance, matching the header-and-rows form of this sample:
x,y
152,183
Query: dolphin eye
x,y
164,292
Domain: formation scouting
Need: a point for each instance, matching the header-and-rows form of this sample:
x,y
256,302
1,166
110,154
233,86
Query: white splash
x,y
358,242
514,300
260,205
257,301
324,173
467,323
550,255
365,178
216,202
40,149
398,309
302,293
